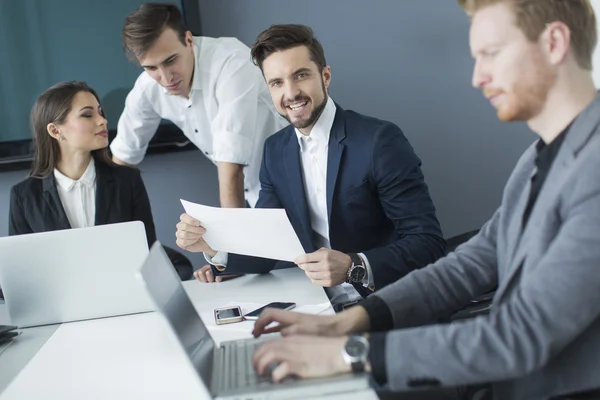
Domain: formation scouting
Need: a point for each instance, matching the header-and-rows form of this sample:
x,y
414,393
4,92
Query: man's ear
x,y
326,75
189,38
556,42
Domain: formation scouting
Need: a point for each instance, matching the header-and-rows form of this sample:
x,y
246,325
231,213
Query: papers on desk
x,y
247,326
258,232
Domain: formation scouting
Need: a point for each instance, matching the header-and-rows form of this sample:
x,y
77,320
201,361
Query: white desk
x,y
134,356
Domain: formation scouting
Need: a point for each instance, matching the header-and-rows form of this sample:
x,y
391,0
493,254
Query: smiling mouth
x,y
296,106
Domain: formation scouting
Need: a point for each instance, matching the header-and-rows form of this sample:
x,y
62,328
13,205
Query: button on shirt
x,y
78,197
228,115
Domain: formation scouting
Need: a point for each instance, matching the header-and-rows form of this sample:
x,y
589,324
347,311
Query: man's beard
x,y
526,100
314,115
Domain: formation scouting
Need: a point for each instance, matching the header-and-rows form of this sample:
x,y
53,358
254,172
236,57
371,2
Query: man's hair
x,y
532,16
143,27
282,37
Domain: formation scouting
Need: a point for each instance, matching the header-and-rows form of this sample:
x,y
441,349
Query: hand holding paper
x,y
258,232
190,235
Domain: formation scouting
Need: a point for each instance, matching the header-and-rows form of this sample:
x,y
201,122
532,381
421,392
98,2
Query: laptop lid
x,y
74,274
172,302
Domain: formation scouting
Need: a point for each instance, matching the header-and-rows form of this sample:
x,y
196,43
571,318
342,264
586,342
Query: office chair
x,y
182,264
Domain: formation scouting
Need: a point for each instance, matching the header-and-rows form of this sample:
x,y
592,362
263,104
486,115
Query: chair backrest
x,y
455,241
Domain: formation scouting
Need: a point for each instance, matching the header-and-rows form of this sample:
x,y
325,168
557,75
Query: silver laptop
x,y
226,371
74,274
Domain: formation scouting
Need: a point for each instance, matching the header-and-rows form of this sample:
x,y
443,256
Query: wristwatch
x,y
357,271
355,352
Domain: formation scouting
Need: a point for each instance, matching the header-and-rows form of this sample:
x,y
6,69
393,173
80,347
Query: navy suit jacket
x,y
377,199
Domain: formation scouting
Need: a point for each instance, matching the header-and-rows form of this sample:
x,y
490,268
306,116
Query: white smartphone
x,y
253,315
228,315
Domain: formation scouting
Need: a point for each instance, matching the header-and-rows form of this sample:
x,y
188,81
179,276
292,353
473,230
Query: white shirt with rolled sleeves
x,y
228,115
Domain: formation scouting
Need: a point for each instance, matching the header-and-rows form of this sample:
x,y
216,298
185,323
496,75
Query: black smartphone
x,y
253,315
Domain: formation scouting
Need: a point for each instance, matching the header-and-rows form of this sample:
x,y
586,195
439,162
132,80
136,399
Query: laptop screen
x,y
164,287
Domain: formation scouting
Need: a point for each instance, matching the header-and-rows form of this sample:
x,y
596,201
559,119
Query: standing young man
x,y
541,339
208,87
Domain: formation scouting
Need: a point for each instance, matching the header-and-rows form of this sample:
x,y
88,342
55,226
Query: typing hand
x,y
325,267
290,323
205,275
189,236
302,356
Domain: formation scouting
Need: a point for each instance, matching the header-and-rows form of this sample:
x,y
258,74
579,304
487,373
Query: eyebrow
x,y
487,47
90,108
172,56
298,71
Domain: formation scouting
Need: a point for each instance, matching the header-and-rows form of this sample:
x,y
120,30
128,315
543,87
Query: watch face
x,y
357,274
355,348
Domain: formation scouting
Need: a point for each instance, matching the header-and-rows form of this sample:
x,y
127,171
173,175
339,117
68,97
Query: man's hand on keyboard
x,y
290,323
353,320
302,356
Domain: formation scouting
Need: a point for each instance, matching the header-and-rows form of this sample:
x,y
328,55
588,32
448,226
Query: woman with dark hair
x,y
73,182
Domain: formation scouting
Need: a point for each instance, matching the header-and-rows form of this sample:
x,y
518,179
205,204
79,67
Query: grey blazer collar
x,y
582,130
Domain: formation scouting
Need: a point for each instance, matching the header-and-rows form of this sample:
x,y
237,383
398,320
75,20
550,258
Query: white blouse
x,y
78,197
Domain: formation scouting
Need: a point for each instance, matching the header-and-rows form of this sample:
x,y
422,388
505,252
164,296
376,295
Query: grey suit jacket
x,y
542,337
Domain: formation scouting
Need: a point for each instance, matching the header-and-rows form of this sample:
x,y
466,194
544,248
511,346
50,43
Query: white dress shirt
x,y
228,115
78,197
313,155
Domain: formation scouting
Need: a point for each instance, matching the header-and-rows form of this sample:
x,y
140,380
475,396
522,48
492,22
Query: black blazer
x,y
120,197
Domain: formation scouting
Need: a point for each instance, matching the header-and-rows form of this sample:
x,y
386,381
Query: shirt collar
x,y
322,129
88,178
546,153
196,80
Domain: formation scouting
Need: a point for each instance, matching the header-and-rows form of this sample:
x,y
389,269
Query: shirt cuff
x,y
380,315
377,343
231,147
368,281
127,155
219,261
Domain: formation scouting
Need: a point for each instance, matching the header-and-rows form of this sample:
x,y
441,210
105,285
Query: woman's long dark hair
x,y
53,106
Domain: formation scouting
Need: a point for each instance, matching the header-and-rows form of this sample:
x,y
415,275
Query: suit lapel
x,y
105,187
560,172
334,156
515,226
295,181
57,210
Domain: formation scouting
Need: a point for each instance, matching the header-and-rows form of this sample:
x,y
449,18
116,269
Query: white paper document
x,y
259,232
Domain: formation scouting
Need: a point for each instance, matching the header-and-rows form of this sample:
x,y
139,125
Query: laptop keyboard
x,y
237,369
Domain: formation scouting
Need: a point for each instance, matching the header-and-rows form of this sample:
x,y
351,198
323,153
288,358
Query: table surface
x,y
135,356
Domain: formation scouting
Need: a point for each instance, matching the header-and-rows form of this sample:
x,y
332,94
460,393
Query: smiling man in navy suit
x,y
351,185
